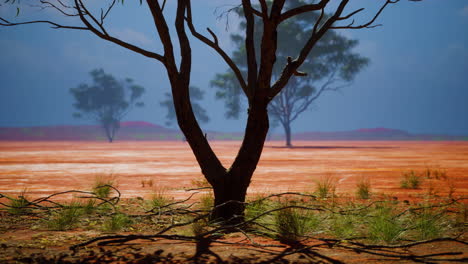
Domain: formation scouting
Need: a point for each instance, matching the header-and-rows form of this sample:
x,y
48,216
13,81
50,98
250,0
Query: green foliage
x,y
116,222
410,180
325,187
291,223
196,95
65,218
385,225
107,100
344,226
427,223
257,206
19,205
102,187
363,189
159,198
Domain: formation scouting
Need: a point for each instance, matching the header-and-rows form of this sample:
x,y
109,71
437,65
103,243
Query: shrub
x,y
410,180
363,189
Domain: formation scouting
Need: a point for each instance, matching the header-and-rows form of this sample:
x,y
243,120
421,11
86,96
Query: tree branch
x,y
252,74
303,9
215,45
368,24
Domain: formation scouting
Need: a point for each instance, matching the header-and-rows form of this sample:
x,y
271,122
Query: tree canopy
x,y
107,100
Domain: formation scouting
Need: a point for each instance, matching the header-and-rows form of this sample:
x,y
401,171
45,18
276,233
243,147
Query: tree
x,y
329,67
107,100
259,87
196,94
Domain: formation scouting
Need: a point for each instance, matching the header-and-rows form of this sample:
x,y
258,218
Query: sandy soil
x,y
48,167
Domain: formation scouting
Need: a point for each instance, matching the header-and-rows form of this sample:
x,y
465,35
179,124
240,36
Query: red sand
x,y
47,167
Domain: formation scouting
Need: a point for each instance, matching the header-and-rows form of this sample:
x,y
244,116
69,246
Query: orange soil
x,y
47,167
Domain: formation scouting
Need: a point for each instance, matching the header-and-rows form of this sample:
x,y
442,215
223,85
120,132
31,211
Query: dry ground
x,y
142,168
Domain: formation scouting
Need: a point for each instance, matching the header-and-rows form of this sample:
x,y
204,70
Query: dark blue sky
x,y
417,80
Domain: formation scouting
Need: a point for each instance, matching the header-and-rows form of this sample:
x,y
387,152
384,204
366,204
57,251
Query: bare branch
x,y
368,24
7,23
215,45
303,9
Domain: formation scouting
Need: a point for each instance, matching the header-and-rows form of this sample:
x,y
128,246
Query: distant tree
x,y
107,100
196,94
330,66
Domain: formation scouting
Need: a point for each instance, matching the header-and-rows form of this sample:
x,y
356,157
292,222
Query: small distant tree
x,y
196,95
107,100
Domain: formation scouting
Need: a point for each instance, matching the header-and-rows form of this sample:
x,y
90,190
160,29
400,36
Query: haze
x,y
417,79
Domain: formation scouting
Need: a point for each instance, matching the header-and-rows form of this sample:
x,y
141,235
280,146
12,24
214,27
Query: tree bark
x,y
230,190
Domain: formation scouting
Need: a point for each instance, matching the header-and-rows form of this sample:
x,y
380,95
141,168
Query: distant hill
x,y
139,130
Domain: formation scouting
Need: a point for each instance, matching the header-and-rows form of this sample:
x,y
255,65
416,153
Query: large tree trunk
x,y
230,190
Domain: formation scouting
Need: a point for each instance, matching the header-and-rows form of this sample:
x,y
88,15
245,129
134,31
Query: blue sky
x,y
417,80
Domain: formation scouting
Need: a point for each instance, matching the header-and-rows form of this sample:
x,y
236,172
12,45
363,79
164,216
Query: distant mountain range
x,y
138,130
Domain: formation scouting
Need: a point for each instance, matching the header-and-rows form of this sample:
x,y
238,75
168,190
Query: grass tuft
x,y
410,180
18,206
292,224
65,218
363,188
116,222
325,187
102,187
384,225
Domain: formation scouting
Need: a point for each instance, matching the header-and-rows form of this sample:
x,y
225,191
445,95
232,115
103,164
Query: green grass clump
x,y
102,187
325,187
291,224
19,205
344,226
428,223
65,218
257,206
116,222
410,180
363,189
385,225
159,198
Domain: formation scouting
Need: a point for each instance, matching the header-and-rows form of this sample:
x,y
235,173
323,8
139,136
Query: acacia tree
x,y
196,95
229,184
331,65
107,100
